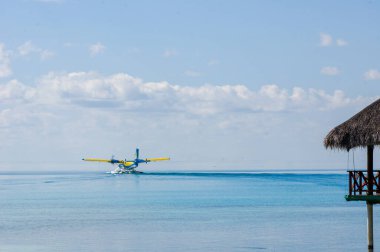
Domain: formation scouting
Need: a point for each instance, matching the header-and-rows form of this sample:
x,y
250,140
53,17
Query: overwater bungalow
x,y
361,131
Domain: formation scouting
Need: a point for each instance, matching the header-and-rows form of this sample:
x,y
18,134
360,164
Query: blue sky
x,y
214,84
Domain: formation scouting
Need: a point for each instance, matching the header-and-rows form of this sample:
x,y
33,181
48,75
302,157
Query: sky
x,y
215,85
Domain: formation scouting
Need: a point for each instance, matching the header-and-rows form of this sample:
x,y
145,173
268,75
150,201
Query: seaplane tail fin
x,y
157,159
137,153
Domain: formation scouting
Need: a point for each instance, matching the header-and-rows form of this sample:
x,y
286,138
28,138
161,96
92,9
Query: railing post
x,y
355,179
370,169
360,182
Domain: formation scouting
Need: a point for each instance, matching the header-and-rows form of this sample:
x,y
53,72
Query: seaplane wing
x,y
112,161
157,159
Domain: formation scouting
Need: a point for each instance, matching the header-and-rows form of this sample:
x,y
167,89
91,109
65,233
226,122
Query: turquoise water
x,y
180,212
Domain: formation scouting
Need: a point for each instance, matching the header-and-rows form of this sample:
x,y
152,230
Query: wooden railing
x,y
358,182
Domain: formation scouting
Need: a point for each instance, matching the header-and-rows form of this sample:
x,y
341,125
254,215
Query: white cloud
x,y
213,62
66,104
325,39
329,70
372,74
124,92
5,68
29,48
97,48
192,73
46,54
341,42
16,91
170,53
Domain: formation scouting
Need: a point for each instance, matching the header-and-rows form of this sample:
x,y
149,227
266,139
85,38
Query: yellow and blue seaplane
x,y
127,166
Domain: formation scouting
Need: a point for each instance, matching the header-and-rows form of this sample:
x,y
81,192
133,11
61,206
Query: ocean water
x,y
200,211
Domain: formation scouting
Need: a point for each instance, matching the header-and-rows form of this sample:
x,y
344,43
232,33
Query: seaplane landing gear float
x,y
126,166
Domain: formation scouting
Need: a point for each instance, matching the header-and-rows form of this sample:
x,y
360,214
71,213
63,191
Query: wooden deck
x,y
359,185
374,199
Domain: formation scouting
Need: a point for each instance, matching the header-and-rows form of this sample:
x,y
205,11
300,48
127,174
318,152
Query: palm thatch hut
x,y
362,130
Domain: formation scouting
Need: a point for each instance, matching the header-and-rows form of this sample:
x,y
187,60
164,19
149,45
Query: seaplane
x,y
127,166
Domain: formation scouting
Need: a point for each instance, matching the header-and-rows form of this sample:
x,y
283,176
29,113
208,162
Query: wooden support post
x,y
370,192
370,226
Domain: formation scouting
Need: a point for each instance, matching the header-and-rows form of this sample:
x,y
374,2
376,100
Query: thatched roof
x,y
361,130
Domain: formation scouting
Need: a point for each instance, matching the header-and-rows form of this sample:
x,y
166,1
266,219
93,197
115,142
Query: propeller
x,y
113,159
